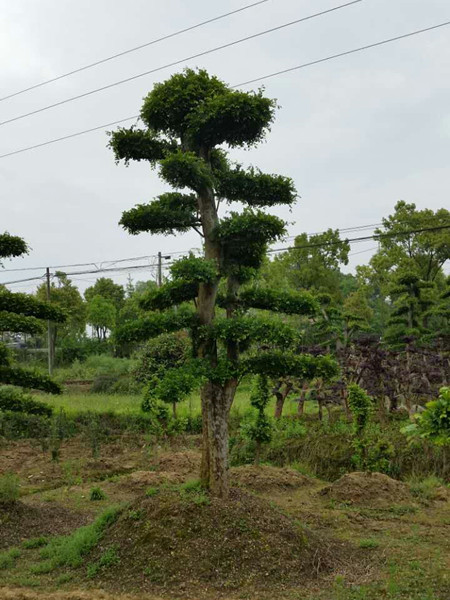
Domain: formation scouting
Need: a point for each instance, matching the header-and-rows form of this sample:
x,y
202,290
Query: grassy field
x,y
74,403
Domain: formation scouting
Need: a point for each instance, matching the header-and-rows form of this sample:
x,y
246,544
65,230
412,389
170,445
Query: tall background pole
x,y
49,328
159,275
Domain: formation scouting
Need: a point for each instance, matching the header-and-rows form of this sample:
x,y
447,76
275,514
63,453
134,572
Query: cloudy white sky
x,y
356,134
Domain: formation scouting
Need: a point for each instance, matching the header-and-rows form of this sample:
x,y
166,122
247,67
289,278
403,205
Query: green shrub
x,y
12,399
259,430
434,423
9,488
361,408
152,491
14,426
97,494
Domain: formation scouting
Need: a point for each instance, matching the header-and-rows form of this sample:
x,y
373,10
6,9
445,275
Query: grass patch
x,y
151,491
69,551
425,489
193,491
8,558
107,559
35,543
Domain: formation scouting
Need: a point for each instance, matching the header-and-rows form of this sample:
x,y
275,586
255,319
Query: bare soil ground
x,y
20,521
360,538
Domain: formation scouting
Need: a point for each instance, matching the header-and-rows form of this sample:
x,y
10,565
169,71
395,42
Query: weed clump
x,y
97,494
9,488
426,489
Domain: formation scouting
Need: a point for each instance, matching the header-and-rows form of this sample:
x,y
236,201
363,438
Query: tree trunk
x,y
174,410
279,404
218,401
281,396
205,464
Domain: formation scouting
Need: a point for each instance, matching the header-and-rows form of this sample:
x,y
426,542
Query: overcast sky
x,y
356,134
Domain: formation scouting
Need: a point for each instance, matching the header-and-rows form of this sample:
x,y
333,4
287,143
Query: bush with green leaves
x,y
259,429
23,314
361,407
14,400
434,423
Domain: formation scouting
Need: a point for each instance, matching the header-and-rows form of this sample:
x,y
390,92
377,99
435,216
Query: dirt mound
x,y
186,542
368,489
19,521
267,477
184,463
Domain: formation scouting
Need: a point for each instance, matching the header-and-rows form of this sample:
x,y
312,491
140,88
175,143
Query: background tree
x,y
412,297
168,351
101,315
189,118
106,288
66,296
424,253
20,313
314,264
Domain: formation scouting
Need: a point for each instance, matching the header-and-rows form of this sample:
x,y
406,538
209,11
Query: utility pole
x,y
159,273
49,328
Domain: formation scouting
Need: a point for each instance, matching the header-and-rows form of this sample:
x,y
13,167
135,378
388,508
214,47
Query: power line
x,y
302,247
71,135
282,72
362,251
94,263
155,256
140,47
176,252
178,62
360,239
346,53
